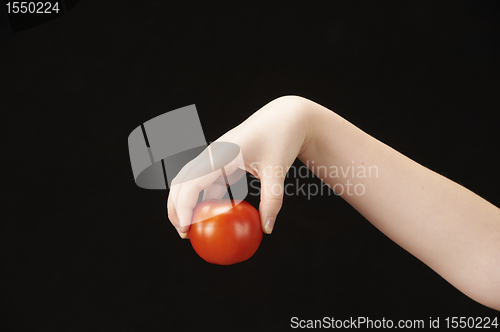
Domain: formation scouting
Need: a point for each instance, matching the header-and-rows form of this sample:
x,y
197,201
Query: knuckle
x,y
275,200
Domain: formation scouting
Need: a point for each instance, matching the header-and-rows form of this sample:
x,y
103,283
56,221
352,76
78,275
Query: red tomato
x,y
223,234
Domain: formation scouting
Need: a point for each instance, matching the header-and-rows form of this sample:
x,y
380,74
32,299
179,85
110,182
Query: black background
x,y
84,249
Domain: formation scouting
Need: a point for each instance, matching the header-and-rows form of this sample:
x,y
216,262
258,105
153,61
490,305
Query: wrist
x,y
298,111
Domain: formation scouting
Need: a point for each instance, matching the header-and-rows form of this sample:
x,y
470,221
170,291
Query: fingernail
x,y
179,231
269,225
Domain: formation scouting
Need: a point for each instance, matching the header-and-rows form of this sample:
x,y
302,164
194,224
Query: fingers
x,y
271,199
172,216
171,213
186,202
197,175
215,191
183,198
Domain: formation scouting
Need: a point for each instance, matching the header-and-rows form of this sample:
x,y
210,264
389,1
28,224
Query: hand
x,y
269,140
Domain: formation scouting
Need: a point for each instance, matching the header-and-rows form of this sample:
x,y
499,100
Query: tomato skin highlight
x,y
224,235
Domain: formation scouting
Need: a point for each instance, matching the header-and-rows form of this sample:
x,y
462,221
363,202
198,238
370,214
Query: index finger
x,y
183,198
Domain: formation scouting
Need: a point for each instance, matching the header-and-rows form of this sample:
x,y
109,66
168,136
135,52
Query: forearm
x,y
448,227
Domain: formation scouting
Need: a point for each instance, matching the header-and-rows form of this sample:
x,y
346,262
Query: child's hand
x,y
269,140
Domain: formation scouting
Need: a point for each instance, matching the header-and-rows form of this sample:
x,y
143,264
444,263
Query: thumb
x,y
271,200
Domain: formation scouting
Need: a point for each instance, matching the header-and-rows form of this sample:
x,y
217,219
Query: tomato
x,y
223,234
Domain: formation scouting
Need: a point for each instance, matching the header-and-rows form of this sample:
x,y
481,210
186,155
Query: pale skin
x,y
449,228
